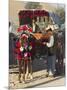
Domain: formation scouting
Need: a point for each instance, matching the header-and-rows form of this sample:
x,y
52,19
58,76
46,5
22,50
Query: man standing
x,y
51,58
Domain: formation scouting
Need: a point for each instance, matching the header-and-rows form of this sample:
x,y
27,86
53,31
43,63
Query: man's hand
x,y
44,43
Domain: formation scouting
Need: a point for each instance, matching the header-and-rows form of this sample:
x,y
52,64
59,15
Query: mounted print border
x,y
36,44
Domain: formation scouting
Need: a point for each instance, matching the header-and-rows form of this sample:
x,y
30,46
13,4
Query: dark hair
x,y
49,30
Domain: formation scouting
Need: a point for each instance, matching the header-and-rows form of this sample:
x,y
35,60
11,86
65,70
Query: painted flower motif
x,y
22,28
30,30
25,45
26,54
25,27
21,49
30,47
24,36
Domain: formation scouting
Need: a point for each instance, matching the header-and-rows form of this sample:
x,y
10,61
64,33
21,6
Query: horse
x,y
59,55
27,55
24,55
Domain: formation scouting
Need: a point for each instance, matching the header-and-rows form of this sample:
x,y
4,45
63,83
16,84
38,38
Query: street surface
x,y
39,81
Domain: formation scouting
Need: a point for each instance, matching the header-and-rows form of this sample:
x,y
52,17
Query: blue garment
x,y
51,64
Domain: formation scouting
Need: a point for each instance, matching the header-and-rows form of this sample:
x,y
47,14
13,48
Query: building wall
x,y
14,8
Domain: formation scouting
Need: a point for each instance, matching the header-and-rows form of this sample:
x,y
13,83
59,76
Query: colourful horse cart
x,y
32,22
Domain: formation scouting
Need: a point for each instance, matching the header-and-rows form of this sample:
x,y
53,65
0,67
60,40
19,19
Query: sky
x,y
59,5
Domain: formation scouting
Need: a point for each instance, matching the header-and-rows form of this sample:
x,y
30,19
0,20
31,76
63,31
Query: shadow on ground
x,y
57,78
